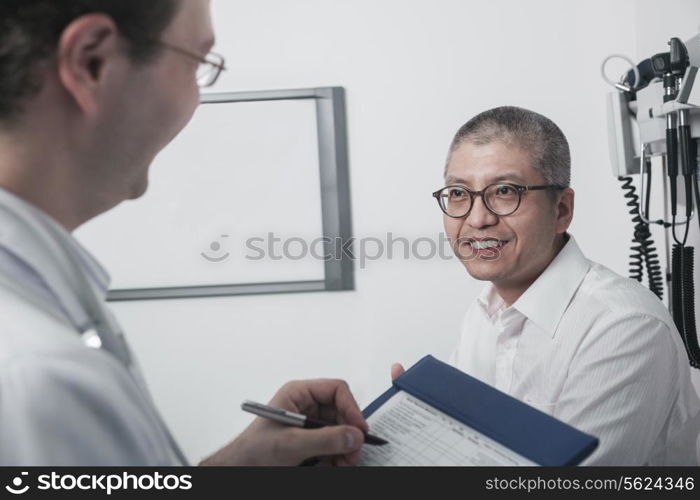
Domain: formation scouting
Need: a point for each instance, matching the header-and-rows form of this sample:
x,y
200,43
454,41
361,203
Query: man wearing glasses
x,y
553,329
90,92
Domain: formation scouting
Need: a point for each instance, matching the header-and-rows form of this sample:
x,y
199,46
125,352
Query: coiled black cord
x,y
683,303
677,288
691,337
643,252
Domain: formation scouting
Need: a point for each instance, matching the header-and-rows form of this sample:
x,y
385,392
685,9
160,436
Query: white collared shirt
x,y
595,350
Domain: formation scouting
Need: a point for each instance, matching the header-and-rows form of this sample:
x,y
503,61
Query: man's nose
x,y
480,216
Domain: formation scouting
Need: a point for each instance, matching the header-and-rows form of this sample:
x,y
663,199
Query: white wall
x,y
414,71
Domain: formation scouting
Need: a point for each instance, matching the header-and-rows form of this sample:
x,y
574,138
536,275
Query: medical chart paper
x,y
420,434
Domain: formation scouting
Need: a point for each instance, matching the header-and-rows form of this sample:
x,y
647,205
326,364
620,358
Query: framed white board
x,y
252,197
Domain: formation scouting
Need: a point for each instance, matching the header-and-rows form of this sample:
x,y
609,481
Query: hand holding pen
x,y
265,442
298,420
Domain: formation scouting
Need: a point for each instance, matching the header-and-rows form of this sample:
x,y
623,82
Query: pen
x,y
297,419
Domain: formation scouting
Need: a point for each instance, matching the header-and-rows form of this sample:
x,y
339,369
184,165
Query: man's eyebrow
x,y
508,177
454,180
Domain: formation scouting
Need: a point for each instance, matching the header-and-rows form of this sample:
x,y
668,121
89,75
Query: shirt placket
x,y
508,325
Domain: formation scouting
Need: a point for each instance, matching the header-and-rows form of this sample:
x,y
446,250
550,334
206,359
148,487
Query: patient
x,y
552,328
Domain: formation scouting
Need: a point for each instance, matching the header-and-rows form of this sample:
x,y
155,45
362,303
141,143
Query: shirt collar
x,y
490,301
66,269
97,274
546,300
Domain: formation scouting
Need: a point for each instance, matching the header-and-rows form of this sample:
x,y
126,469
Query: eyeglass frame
x,y
475,194
219,66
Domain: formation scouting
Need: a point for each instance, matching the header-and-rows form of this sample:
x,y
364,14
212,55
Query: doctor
x,y
90,92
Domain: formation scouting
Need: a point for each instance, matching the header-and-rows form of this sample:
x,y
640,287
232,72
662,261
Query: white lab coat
x,y
62,402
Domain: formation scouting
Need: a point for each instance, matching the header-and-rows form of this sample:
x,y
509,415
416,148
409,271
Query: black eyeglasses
x,y
500,198
210,66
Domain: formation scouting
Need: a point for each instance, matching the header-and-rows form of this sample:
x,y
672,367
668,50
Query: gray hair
x,y
532,131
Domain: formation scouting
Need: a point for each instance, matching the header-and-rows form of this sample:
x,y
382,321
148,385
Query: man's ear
x,y
564,210
86,48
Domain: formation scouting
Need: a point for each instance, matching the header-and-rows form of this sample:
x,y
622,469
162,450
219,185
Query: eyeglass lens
x,y
502,199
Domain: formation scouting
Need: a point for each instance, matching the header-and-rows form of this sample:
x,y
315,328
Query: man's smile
x,y
486,246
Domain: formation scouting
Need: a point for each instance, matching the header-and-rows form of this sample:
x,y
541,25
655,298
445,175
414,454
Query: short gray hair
x,y
532,131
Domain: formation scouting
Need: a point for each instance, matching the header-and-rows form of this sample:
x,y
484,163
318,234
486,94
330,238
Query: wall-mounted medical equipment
x,y
654,113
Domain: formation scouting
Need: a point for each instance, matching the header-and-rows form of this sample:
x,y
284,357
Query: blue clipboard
x,y
516,425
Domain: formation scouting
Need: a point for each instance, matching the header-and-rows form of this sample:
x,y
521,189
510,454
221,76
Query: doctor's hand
x,y
265,442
